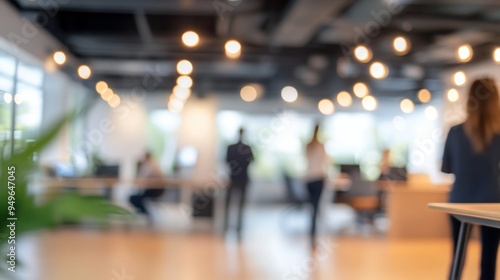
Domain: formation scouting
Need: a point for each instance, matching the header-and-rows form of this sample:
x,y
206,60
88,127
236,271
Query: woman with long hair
x,y
317,163
472,154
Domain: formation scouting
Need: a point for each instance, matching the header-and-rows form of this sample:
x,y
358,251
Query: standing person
x,y
148,169
317,164
239,156
472,154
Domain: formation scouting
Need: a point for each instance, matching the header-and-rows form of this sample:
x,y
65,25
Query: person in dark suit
x,y
238,158
472,154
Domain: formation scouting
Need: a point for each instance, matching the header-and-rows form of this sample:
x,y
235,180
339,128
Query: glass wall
x,y
162,129
279,140
28,98
7,71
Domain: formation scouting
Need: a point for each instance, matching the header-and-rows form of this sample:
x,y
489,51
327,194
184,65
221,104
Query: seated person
x,y
390,174
385,165
148,169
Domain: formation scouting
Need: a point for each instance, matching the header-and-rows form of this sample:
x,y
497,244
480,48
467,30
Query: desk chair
x,y
295,199
294,196
363,197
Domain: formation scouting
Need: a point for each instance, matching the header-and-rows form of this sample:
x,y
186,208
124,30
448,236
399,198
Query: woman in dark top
x,y
472,154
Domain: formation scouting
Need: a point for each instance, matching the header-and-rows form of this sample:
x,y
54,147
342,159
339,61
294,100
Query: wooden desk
x,y
55,183
98,182
79,182
408,214
102,182
484,214
183,182
190,188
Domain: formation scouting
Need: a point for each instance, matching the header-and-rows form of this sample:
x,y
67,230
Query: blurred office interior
x,y
179,78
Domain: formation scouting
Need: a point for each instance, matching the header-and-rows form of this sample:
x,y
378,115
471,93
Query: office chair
x,y
363,197
295,199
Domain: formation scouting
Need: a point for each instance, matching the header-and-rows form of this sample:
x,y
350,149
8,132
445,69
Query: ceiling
x,y
304,43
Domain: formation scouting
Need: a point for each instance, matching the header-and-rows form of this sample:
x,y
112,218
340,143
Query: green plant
x,y
16,171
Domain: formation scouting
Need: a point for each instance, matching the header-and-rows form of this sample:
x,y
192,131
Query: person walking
x,y
317,165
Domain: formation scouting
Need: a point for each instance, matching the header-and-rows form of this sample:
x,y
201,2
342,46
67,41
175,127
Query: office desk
x,y
100,182
187,185
190,188
484,214
56,183
79,182
408,214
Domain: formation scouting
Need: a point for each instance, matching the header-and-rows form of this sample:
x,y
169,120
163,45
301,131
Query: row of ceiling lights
x,y
458,79
464,53
84,72
182,90
378,70
289,94
402,46
232,47
249,93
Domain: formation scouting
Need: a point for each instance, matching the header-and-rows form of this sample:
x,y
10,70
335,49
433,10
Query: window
x,y
27,98
7,70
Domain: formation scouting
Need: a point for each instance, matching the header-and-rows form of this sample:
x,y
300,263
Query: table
x,y
99,182
484,214
80,183
190,188
408,214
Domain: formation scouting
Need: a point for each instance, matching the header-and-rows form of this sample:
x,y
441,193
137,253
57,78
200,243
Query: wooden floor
x,y
268,250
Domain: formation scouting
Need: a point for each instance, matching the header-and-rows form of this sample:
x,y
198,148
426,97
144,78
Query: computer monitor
x,y
107,171
349,168
65,170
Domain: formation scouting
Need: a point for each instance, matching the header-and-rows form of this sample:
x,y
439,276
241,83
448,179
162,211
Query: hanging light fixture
x,y
369,103
190,39
464,53
326,107
59,57
401,45
363,54
233,49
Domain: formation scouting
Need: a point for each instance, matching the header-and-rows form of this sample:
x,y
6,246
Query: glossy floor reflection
x,y
267,251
